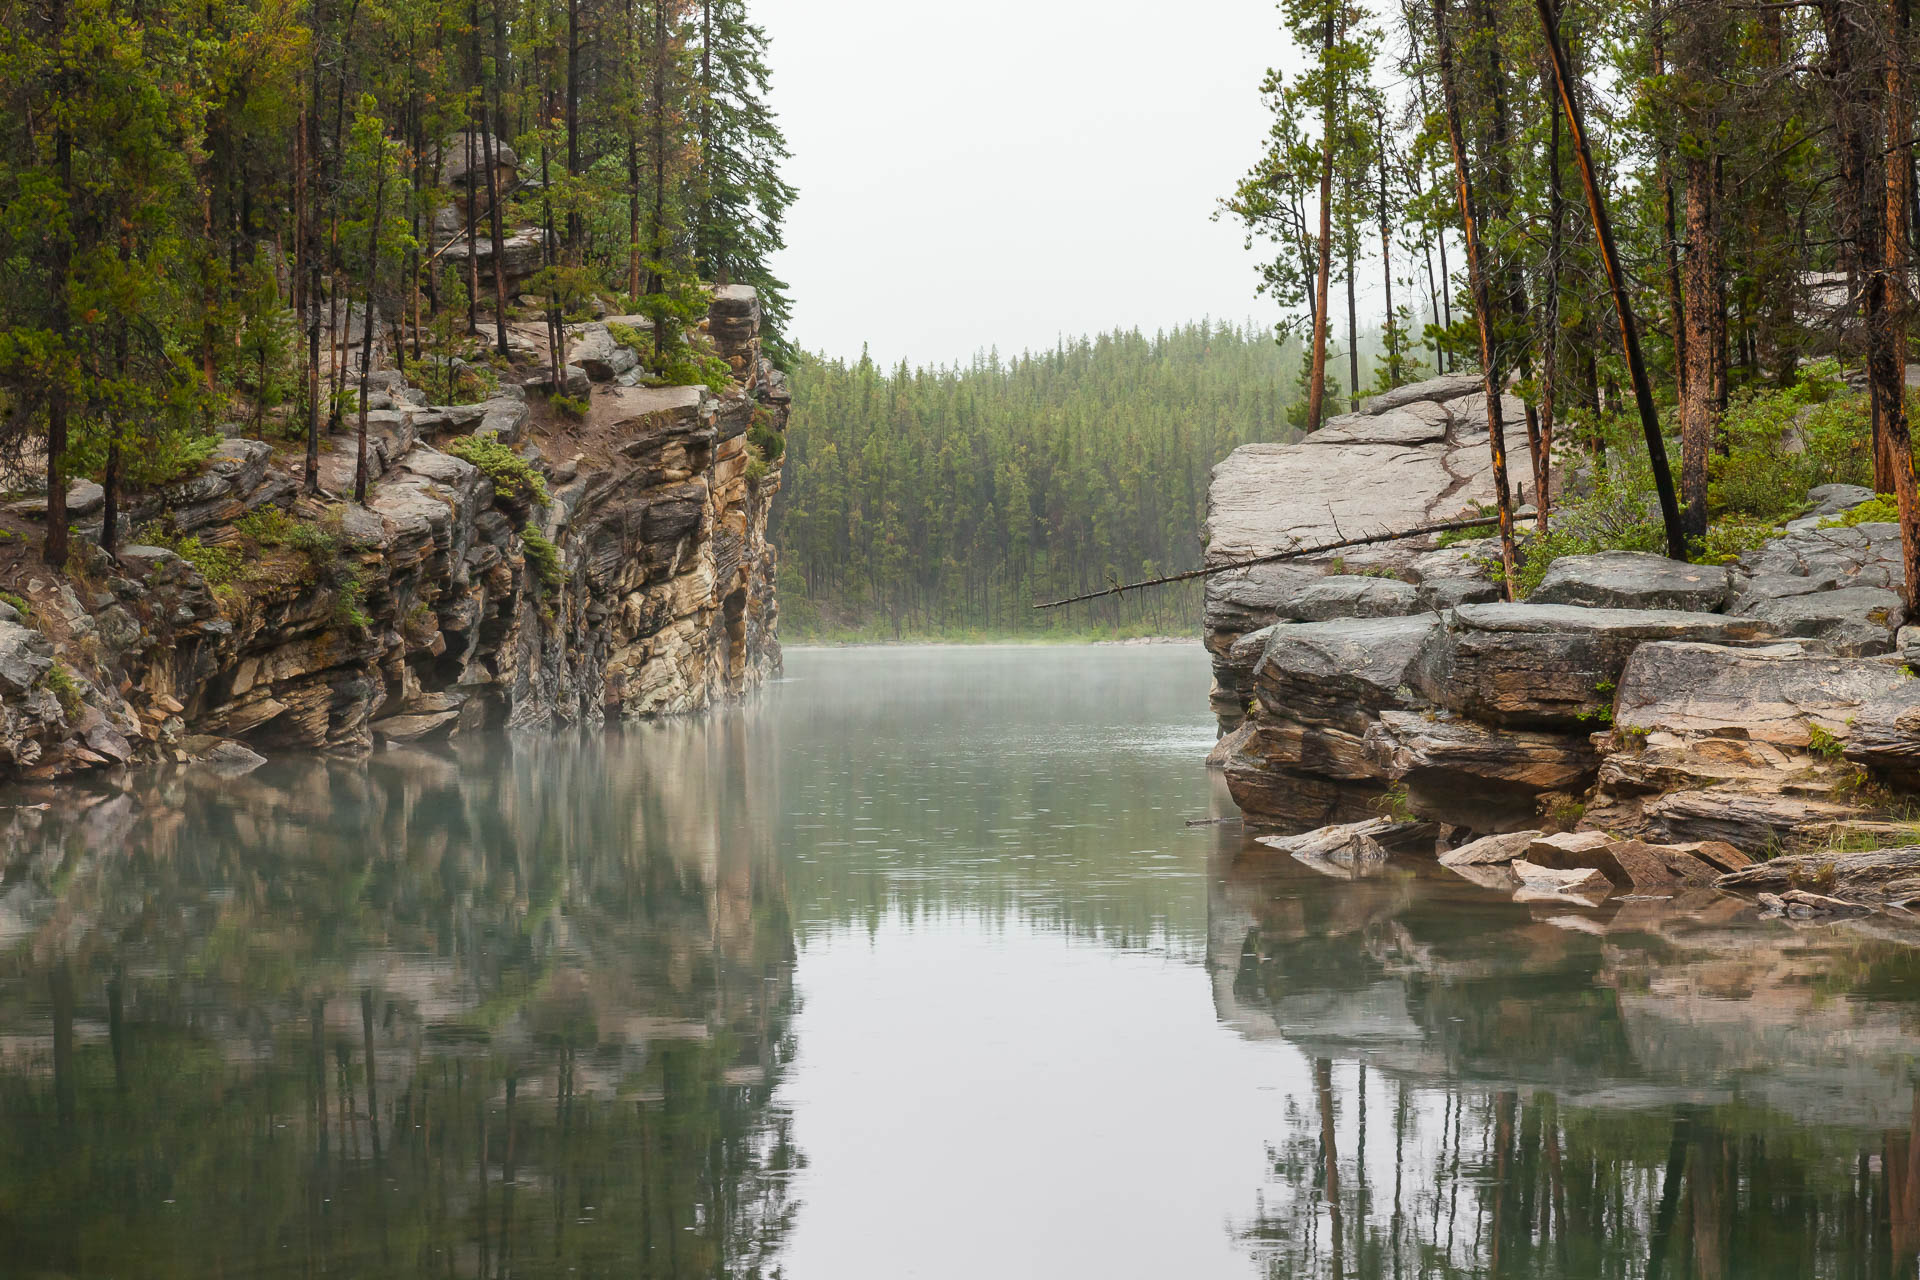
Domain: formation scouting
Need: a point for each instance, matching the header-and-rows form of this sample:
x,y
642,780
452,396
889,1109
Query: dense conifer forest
x,y
944,501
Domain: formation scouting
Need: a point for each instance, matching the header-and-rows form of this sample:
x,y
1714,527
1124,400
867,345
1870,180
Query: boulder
x,y
1549,665
1836,499
1351,843
599,355
1801,905
1456,575
1434,390
1340,673
1848,620
1415,424
1634,580
1557,880
26,655
1491,851
1628,864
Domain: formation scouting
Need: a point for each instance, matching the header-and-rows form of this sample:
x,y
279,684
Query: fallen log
x,y
1274,557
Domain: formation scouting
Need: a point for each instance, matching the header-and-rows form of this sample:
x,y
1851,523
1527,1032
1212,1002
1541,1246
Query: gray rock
x,y
1491,851
1773,693
1837,499
1352,596
599,355
1547,664
1877,875
1341,673
1414,424
1634,580
1866,555
232,759
25,656
1851,620
1436,390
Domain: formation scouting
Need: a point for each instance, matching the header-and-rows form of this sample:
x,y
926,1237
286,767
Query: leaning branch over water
x,y
1478,522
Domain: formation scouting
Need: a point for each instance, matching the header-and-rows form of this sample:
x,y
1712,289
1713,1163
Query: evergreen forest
x,y
943,502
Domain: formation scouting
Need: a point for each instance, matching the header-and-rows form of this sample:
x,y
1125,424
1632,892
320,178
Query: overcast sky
x,y
1004,172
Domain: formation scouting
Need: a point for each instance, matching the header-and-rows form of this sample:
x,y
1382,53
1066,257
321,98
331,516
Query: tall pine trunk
x,y
1616,281
1490,371
1323,271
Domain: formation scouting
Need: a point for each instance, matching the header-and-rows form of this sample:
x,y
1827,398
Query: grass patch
x,y
65,689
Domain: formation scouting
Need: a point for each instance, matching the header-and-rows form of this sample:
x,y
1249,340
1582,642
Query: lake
x,y
915,967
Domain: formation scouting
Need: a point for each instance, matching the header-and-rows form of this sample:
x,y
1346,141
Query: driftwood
x,y
1292,553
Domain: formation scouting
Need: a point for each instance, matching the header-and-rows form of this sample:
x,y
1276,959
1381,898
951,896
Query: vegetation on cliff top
x,y
200,203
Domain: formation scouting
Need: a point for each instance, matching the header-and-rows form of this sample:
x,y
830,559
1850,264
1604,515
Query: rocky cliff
x,y
511,567
1764,703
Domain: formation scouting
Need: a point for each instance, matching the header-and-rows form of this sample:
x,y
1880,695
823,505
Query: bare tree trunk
x,y
1622,305
1550,324
366,337
1353,343
1317,369
1491,380
1386,258
1888,332
1697,413
1676,297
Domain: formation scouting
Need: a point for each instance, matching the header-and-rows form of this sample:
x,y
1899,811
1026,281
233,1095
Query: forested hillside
x,y
201,204
945,501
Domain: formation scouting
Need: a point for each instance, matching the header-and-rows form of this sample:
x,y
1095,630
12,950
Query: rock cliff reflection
x,y
914,967
511,1014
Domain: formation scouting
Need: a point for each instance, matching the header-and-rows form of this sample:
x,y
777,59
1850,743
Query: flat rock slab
x,y
1491,851
1864,555
1635,580
1852,620
1771,693
1352,596
1875,875
1533,664
1353,843
1556,879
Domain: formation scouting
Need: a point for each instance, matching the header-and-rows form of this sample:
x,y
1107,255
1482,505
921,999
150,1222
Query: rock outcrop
x,y
1750,705
612,568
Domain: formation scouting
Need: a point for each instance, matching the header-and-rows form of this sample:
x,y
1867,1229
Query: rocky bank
x,y
460,597
1762,705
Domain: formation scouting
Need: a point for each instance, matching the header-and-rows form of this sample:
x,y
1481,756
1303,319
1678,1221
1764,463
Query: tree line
x,y
209,211
945,500
1636,210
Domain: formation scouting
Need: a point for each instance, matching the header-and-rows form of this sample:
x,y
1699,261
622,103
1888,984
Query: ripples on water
x,y
912,969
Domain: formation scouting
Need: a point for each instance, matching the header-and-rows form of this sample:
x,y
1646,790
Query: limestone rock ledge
x,y
436,608
1764,704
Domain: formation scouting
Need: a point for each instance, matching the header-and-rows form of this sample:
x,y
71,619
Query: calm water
x,y
915,969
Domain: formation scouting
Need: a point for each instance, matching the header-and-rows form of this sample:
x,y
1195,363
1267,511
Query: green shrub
x,y
632,339
544,559
512,475
1824,744
350,600
19,603
1730,538
1882,509
65,688
218,565
570,406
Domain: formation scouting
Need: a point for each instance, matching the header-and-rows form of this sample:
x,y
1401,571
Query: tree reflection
x,y
517,1016
1560,1102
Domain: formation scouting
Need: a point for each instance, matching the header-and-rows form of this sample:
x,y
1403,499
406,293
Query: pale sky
x,y
1004,172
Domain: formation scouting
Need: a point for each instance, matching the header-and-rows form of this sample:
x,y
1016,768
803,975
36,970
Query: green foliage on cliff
x,y
512,475
946,501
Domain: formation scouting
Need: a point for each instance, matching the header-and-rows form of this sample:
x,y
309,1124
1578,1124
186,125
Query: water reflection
x,y
915,968
1498,1088
519,1013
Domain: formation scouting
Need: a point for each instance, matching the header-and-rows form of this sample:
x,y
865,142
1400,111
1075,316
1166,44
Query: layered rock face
x,y
459,598
1756,704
